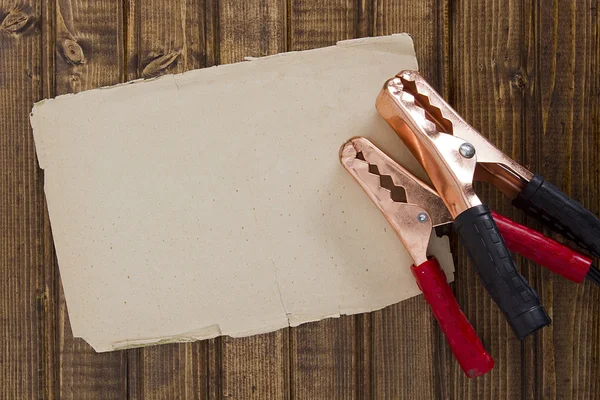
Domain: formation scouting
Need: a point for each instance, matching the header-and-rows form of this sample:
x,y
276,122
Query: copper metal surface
x,y
434,132
371,167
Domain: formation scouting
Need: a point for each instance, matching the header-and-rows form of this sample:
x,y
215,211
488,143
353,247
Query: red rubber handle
x,y
542,250
466,346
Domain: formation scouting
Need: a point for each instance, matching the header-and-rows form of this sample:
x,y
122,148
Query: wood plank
x,y
27,296
534,95
215,367
427,22
404,359
89,49
172,371
320,23
254,367
406,339
324,359
166,39
162,373
250,29
526,83
163,39
330,358
211,32
564,114
48,79
489,55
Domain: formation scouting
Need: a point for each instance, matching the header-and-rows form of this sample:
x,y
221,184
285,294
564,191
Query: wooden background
x,y
525,72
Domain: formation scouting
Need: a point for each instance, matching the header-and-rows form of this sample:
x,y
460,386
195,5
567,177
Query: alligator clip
x,y
454,154
450,150
412,209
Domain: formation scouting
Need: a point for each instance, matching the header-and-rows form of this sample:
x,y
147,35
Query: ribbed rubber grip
x,y
542,250
463,341
496,268
548,204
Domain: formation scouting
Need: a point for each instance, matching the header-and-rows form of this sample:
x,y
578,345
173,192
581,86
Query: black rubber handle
x,y
496,268
548,204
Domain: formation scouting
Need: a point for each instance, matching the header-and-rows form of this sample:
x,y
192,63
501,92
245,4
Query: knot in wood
x,y
159,65
72,52
518,81
14,22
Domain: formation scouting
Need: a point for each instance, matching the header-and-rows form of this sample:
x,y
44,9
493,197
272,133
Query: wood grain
x,y
523,72
89,54
563,114
164,39
48,78
26,279
172,371
324,360
417,346
405,353
256,367
320,23
330,358
250,29
489,54
428,24
161,40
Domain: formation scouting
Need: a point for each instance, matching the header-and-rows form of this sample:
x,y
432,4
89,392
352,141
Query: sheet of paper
x,y
213,202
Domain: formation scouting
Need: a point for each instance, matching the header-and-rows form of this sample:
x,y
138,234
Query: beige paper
x,y
213,202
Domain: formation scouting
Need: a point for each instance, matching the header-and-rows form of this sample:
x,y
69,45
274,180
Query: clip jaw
x,y
445,144
404,201
402,198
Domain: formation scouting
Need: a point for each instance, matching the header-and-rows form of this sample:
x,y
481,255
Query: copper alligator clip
x,y
412,209
454,154
451,152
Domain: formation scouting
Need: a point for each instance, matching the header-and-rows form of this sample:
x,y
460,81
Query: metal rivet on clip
x,y
422,217
467,150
